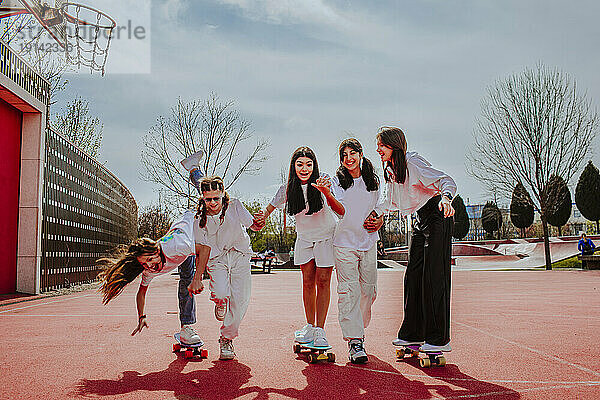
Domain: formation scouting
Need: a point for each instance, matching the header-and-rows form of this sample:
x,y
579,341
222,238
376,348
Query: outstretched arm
x,y
140,300
323,185
202,256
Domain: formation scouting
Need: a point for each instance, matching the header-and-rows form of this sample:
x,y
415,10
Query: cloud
x,y
287,11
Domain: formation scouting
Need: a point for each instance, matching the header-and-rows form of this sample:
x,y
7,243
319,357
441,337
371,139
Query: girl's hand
x,y
373,223
141,324
446,206
323,185
195,287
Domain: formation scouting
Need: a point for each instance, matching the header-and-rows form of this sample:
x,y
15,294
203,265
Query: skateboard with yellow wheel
x,y
314,353
434,358
190,350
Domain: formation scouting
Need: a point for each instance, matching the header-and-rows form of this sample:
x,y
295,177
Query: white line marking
x,y
515,391
43,304
66,315
538,352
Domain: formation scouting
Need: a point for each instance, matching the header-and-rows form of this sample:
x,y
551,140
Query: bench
x,y
590,261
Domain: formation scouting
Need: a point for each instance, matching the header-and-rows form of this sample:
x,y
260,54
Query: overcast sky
x,y
314,72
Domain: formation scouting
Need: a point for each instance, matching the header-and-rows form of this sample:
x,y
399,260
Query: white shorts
x,y
321,252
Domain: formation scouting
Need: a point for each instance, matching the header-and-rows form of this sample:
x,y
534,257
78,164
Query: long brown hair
x,y
122,267
367,172
394,139
207,184
295,197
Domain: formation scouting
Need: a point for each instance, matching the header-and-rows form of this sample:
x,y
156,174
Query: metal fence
x,y
17,70
86,211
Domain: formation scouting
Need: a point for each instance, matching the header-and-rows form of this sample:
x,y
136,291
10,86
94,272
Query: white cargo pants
x,y
230,283
357,289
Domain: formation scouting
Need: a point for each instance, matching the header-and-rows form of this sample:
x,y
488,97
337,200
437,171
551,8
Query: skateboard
x,y
315,353
191,350
434,358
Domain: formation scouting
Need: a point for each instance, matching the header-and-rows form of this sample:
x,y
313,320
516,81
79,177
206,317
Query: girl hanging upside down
x,y
222,247
152,258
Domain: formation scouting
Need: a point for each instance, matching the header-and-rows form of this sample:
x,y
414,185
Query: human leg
x,y
349,293
367,269
413,325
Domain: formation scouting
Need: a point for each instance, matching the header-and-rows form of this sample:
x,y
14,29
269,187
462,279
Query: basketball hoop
x,y
91,37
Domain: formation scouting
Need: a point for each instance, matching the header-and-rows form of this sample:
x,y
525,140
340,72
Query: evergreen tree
x,y
461,218
558,202
521,208
587,194
491,218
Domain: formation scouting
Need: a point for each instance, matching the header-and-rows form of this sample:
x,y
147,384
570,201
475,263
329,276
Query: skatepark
x,y
515,335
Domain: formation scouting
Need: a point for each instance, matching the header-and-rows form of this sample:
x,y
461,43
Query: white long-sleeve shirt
x,y
176,245
421,184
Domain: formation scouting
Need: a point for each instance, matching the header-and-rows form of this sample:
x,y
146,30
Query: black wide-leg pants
x,y
427,277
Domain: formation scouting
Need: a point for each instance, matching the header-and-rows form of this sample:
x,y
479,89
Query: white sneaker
x,y
400,342
305,335
220,311
356,351
430,348
189,336
320,340
193,161
227,352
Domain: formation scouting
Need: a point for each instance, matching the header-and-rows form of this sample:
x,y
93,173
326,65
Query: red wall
x,y
10,160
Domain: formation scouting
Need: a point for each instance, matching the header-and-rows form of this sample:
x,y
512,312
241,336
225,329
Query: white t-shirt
x,y
229,235
358,204
312,228
422,183
176,245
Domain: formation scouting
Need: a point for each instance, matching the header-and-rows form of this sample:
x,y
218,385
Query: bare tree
x,y
154,221
210,125
533,125
77,125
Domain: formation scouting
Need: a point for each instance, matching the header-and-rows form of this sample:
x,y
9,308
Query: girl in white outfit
x,y
223,249
356,187
306,196
152,258
414,186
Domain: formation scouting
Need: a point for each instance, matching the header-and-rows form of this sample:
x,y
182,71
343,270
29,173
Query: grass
x,y
572,262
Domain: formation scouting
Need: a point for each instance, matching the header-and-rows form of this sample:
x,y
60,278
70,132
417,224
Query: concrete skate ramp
x,y
524,255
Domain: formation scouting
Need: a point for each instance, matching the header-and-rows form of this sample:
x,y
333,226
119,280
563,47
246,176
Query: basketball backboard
x,y
50,17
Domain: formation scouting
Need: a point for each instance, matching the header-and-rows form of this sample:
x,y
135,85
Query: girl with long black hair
x,y
356,187
306,195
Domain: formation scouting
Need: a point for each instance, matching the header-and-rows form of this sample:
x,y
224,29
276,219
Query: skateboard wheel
x,y
441,361
312,358
425,362
330,357
176,347
400,353
204,353
297,348
189,354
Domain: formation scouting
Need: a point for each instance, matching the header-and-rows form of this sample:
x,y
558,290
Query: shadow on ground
x,y
375,380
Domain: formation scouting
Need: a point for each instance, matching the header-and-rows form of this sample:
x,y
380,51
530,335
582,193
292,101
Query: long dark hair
x,y
295,198
122,267
209,183
394,138
366,170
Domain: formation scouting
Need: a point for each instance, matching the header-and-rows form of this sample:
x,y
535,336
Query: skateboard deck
x,y
434,358
314,353
190,350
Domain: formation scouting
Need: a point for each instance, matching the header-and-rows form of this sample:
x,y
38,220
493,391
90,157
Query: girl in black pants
x,y
413,185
